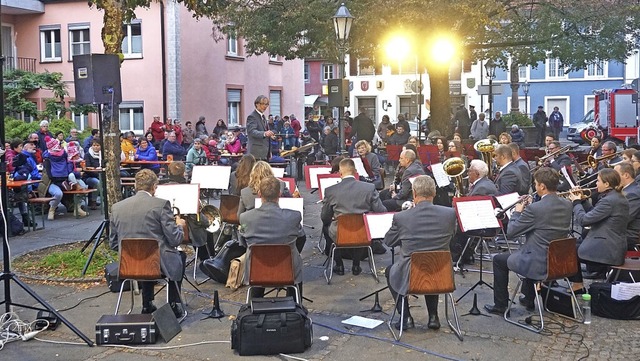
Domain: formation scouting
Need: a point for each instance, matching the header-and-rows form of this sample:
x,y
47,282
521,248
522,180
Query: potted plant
x,y
523,122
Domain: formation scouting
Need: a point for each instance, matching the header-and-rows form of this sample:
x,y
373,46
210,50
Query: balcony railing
x,y
13,63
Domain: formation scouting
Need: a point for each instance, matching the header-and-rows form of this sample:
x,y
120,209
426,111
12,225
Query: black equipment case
x,y
271,333
126,329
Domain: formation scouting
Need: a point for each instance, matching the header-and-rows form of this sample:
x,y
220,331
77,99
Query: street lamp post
x,y
342,21
525,90
490,68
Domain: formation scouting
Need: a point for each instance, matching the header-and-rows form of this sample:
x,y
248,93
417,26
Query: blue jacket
x,y
148,154
25,167
60,167
174,149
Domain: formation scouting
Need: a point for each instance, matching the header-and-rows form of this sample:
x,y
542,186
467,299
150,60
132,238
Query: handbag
x,y
236,272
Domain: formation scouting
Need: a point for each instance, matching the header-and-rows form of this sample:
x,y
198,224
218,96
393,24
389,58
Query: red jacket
x,y
157,129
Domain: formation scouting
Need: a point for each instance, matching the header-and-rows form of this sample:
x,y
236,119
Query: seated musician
x,y
145,216
248,195
606,242
540,222
400,137
393,199
371,164
239,178
271,224
509,178
631,191
608,149
525,172
347,197
425,227
635,161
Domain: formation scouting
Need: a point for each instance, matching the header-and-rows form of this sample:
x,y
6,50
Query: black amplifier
x,y
126,329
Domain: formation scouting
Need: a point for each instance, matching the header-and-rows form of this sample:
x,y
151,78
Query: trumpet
x,y
455,167
526,199
486,148
583,192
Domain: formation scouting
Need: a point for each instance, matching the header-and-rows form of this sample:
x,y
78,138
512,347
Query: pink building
x,y
316,74
173,67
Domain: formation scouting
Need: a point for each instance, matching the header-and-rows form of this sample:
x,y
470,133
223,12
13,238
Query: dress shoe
x,y
407,324
178,311
495,309
356,270
149,308
339,270
434,322
527,303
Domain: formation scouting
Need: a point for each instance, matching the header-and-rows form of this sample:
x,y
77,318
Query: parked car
x,y
575,129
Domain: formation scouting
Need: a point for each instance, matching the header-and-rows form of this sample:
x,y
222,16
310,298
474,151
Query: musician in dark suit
x,y
631,191
258,130
350,196
606,243
609,148
425,227
393,200
144,216
271,224
525,172
479,184
540,223
509,178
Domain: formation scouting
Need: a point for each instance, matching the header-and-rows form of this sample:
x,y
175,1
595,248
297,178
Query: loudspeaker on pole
x,y
97,79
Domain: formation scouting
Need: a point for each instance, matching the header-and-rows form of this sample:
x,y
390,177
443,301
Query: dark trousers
x,y
501,282
392,205
147,287
591,267
357,253
430,300
541,135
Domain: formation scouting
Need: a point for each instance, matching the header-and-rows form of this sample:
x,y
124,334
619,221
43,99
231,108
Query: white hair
x,y
479,166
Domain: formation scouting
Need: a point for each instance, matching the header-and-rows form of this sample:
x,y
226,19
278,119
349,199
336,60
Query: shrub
x,y
522,120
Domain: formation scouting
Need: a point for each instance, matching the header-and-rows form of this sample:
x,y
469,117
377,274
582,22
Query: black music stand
x,y
372,234
476,214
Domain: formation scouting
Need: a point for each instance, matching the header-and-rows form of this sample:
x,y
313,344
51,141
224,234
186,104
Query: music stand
x,y
476,213
310,175
377,225
215,177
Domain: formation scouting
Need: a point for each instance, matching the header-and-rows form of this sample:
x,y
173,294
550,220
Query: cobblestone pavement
x,y
485,337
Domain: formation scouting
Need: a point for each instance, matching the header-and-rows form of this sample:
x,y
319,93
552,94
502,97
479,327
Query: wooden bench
x,y
32,209
78,195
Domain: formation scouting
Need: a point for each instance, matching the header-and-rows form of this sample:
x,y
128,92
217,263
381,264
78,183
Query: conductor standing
x,y
258,130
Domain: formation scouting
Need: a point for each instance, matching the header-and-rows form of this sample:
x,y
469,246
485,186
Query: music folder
x,y
476,212
378,224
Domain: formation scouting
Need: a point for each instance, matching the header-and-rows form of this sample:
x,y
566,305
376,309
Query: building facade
x,y
174,66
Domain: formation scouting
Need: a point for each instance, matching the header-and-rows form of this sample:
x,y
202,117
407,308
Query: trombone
x,y
583,192
593,161
555,153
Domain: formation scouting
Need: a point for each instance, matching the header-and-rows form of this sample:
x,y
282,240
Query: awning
x,y
309,100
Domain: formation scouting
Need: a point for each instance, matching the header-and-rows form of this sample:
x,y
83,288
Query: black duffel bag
x,y
217,268
271,333
604,306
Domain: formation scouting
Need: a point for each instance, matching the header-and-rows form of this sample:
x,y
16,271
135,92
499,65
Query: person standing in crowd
x,y
257,130
382,128
497,125
463,122
540,122
479,128
363,128
43,133
220,127
188,135
201,127
313,127
157,128
556,122
473,115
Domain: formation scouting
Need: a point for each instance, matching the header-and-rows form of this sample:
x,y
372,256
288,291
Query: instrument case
x,y
126,329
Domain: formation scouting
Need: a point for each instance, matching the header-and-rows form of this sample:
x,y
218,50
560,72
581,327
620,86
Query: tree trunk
x,y
440,102
515,85
112,37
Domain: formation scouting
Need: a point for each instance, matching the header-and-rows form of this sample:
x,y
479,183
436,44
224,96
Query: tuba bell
x,y
486,147
455,167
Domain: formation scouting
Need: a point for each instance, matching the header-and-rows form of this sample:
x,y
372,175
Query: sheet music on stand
x,y
185,197
378,224
476,212
359,165
294,204
506,200
442,179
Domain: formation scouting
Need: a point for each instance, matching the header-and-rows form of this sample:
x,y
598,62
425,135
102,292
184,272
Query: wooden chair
x,y
351,233
562,262
140,261
430,273
271,266
229,204
631,264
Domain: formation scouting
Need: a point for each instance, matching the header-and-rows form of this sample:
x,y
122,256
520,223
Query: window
x,y
522,72
555,69
132,42
232,44
234,97
50,45
408,104
275,97
365,67
132,117
274,58
79,42
307,77
327,72
81,120
596,70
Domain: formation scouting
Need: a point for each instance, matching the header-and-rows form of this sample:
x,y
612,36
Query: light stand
x,y
6,276
525,90
103,228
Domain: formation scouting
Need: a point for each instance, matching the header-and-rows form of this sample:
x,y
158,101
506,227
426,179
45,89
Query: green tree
x,y
576,32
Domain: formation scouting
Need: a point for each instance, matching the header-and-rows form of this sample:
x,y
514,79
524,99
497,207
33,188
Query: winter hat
x,y
72,151
53,145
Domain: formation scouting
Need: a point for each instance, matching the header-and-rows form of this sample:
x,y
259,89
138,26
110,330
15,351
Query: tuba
x,y
455,167
486,147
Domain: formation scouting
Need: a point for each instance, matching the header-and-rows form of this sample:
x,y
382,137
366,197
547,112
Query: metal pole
x,y
490,98
342,118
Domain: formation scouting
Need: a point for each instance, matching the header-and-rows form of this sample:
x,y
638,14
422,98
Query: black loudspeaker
x,y
339,93
97,79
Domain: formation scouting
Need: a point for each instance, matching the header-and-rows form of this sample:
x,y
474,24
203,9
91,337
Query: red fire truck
x,y
615,116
